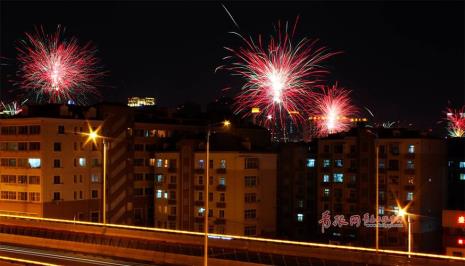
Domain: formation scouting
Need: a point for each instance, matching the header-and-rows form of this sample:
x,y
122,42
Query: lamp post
x,y
225,123
377,189
402,213
93,136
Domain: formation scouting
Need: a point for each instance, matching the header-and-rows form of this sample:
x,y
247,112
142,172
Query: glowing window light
x,y
34,162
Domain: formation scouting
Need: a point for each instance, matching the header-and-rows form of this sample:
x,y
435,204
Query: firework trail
x,y
279,75
230,16
11,109
456,122
332,110
56,70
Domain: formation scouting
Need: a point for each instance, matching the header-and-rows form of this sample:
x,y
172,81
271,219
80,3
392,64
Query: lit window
x,y
159,194
338,177
462,176
34,162
223,164
338,163
325,178
381,210
152,161
411,148
310,163
222,181
159,162
326,163
409,195
159,178
326,192
201,164
166,195
300,217
461,164
82,162
94,178
200,211
411,180
166,163
395,210
450,163
410,164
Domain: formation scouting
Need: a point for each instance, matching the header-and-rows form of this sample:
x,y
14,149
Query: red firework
x,y
279,76
456,119
332,111
56,70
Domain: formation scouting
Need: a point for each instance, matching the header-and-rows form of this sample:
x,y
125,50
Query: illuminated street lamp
x,y
403,213
226,124
93,136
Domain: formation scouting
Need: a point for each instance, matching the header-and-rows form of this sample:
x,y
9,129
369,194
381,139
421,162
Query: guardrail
x,y
220,244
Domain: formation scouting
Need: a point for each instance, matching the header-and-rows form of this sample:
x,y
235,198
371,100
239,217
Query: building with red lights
x,y
453,224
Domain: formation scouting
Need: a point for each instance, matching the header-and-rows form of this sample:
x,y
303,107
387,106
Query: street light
x,y
402,213
93,136
226,124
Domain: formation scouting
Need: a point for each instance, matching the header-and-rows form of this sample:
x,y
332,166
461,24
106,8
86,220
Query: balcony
x,y
220,221
198,187
410,156
409,187
199,171
221,204
352,200
352,185
352,170
172,170
221,188
199,203
172,186
221,171
409,171
171,202
171,217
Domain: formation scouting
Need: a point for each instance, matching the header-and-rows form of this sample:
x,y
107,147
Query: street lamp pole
x,y
409,223
377,196
206,198
104,189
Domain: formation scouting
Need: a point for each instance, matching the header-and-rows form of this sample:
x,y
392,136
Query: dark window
x,y
61,129
94,194
22,130
338,148
251,163
56,163
56,179
56,196
57,146
22,146
34,130
393,165
34,146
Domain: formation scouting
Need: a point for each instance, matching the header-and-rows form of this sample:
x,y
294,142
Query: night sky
x,y
402,60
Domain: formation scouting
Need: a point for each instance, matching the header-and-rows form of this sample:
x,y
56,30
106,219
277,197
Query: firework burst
x,y
332,110
279,74
56,70
456,122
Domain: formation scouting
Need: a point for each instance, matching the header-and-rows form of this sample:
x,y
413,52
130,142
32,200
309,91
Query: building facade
x,y
241,185
411,168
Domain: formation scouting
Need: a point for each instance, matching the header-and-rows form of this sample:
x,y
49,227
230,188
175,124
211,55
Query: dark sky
x,y
401,60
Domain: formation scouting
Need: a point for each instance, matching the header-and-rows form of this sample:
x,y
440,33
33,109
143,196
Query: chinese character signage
x,y
356,221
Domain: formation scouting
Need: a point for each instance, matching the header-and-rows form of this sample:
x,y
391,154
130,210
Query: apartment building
x,y
48,170
411,170
453,223
456,173
296,192
241,185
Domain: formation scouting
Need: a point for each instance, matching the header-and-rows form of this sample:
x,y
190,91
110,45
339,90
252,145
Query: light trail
x,y
33,262
235,237
35,252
